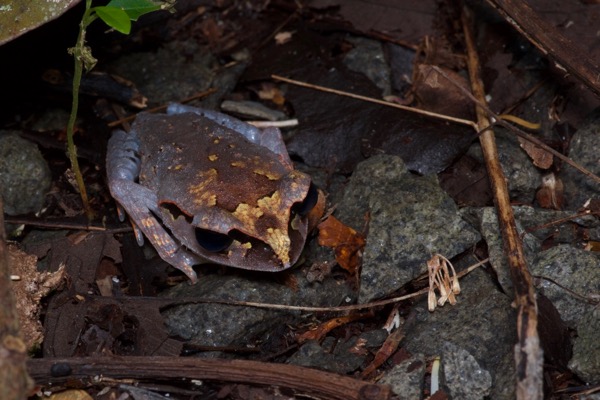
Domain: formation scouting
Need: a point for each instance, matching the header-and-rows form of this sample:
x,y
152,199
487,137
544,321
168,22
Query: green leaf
x,y
115,18
136,8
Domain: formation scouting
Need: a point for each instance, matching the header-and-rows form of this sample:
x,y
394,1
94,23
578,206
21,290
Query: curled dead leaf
x,y
346,242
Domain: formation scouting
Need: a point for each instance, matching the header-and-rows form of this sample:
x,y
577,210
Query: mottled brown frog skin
x,y
205,187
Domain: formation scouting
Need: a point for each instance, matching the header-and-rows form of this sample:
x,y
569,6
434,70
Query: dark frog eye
x,y
304,207
211,241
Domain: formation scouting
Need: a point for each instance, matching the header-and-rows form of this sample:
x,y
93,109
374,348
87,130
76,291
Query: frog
x,y
205,187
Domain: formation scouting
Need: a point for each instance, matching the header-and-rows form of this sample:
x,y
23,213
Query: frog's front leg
x,y
123,167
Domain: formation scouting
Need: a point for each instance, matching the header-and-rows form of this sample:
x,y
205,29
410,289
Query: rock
x,y
193,66
24,175
522,176
367,57
411,218
406,378
575,270
586,348
583,149
482,324
464,377
225,325
486,220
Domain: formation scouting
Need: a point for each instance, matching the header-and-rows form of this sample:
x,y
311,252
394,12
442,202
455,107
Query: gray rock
x,y
586,348
486,220
406,378
339,355
312,355
593,396
411,218
225,325
584,150
481,324
175,71
367,58
534,219
24,175
576,270
522,176
464,377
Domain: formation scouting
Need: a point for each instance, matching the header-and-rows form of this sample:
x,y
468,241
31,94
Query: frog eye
x,y
304,207
212,241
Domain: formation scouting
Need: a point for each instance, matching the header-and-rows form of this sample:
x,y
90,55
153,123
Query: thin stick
x,y
528,354
186,300
376,101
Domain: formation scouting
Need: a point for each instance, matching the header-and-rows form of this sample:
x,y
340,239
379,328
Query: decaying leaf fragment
x,y
29,287
323,329
540,157
550,193
347,243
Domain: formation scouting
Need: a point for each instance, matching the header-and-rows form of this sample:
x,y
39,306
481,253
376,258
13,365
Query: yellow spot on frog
x,y
270,203
239,164
280,243
161,242
213,157
247,214
266,173
216,141
147,222
276,238
201,190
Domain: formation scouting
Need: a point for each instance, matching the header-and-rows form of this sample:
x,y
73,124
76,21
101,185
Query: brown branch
x,y
528,354
308,381
551,42
14,381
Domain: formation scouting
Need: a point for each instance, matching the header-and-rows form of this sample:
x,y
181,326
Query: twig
x,y
376,101
559,221
587,299
305,381
164,302
277,124
528,354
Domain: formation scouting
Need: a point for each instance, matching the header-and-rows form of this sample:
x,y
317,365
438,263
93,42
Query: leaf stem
x,y
78,55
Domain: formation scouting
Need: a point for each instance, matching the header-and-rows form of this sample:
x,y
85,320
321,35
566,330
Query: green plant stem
x,y
71,148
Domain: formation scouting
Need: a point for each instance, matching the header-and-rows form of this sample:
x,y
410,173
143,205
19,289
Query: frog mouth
x,y
268,236
236,248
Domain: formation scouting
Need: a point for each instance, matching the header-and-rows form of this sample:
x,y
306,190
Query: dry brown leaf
x,y
387,349
320,331
346,242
